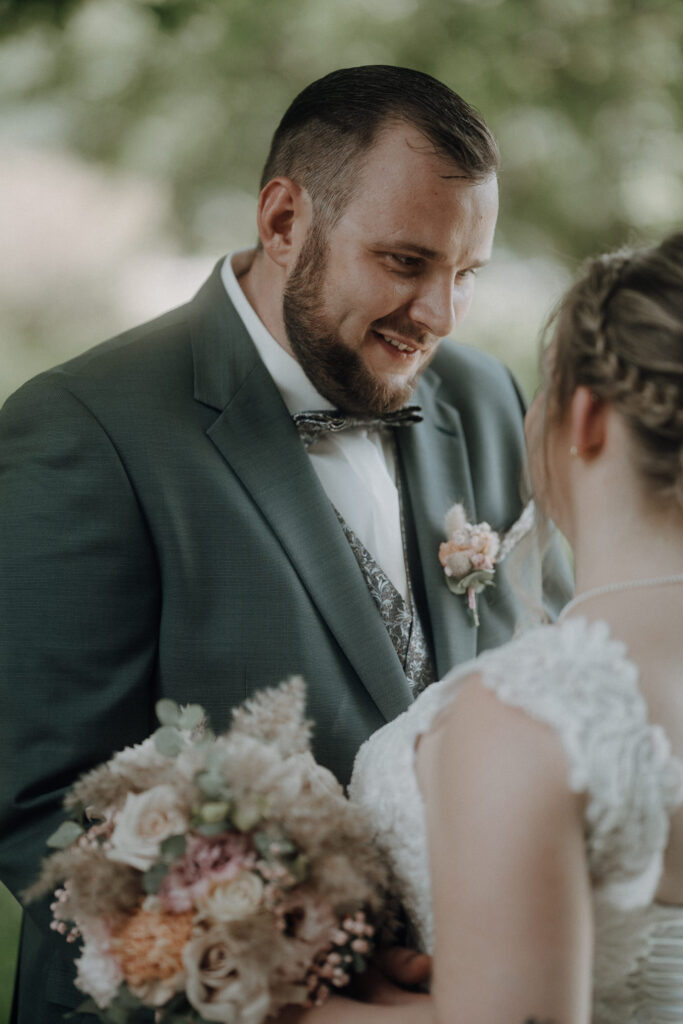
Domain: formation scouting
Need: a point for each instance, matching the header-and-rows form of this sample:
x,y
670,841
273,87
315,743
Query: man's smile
x,y
396,343
396,346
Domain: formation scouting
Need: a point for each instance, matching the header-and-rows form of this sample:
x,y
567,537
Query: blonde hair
x,y
619,332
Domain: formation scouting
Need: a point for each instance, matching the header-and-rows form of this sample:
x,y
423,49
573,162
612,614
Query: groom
x,y
174,523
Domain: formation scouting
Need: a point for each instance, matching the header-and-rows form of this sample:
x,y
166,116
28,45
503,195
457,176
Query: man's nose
x,y
436,307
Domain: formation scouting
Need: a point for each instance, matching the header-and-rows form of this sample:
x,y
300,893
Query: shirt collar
x,y
297,392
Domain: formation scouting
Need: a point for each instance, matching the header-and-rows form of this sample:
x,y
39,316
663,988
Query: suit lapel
x,y
435,467
258,440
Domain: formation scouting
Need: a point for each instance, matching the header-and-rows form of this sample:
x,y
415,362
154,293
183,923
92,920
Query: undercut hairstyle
x,y
619,332
330,126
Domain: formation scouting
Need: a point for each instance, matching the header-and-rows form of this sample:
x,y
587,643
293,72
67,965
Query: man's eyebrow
x,y
413,247
421,250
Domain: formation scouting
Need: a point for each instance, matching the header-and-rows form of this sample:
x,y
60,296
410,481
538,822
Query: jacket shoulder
x,y
131,363
478,385
470,374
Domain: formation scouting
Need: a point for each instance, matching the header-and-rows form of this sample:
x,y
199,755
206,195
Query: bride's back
x,y
650,624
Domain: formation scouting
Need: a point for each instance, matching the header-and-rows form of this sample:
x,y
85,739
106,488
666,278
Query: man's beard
x,y
335,370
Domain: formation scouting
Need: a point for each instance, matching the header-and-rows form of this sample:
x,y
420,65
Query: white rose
x,y
143,823
232,900
222,984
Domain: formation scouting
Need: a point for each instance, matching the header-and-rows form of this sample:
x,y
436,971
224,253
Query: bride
x,y
531,803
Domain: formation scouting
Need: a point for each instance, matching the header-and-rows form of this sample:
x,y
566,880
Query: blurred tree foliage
x,y
584,95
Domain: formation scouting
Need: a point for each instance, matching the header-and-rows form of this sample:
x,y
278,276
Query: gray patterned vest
x,y
399,616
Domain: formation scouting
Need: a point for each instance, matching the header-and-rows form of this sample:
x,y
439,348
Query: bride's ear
x,y
587,423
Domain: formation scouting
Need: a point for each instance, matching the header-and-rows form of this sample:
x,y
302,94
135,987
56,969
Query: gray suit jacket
x,y
162,533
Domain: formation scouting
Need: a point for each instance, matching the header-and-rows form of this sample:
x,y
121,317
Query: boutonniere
x,y
473,550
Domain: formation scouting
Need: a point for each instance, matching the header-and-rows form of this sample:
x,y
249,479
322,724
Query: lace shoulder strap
x,y
574,677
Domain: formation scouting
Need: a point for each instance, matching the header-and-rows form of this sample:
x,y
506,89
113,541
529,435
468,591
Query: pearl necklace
x,y
608,588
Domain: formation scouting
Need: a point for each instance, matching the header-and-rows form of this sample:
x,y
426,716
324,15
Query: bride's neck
x,y
626,539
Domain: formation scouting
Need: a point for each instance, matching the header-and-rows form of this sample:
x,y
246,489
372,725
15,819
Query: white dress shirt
x,y
357,468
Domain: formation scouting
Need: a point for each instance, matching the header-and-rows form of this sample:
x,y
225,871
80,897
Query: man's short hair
x,y
335,121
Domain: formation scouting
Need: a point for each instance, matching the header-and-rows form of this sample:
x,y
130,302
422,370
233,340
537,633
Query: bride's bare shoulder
x,y
492,751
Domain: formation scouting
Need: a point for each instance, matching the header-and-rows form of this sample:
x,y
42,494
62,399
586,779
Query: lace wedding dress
x,y
574,677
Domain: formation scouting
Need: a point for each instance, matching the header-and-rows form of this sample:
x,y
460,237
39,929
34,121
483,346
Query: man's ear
x,y
588,416
284,217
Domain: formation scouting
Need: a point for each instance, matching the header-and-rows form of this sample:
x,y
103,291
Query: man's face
x,y
366,306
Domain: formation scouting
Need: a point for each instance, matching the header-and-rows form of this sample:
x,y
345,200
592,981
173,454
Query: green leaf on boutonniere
x,y
476,581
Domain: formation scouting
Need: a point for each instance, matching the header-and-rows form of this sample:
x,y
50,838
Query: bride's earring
x,y
573,451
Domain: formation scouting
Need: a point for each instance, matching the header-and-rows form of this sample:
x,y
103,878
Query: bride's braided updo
x,y
619,332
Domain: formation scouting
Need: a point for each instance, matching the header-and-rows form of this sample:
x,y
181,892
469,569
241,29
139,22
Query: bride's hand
x,y
404,1008
386,982
404,967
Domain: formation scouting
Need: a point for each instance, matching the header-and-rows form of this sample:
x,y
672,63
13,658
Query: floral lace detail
x,y
574,677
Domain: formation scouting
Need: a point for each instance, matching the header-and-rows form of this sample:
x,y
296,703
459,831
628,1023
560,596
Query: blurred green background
x,y
132,134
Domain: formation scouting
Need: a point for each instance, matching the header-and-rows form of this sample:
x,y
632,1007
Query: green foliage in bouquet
x,y
214,878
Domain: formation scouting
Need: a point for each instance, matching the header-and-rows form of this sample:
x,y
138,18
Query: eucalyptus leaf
x,y
176,1011
217,829
153,877
213,786
167,711
246,814
477,581
191,716
205,740
127,1000
168,741
266,839
173,847
88,1006
214,761
115,1014
299,867
214,811
67,833
359,963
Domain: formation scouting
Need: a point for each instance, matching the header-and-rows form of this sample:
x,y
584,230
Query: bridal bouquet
x,y
214,878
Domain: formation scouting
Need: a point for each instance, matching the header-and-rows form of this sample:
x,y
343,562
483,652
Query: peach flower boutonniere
x,y
472,551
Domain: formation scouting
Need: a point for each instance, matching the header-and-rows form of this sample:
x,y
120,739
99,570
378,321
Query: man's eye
x,y
409,262
468,272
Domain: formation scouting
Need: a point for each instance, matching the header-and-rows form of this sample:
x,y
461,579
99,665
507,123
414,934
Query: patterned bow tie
x,y
314,425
